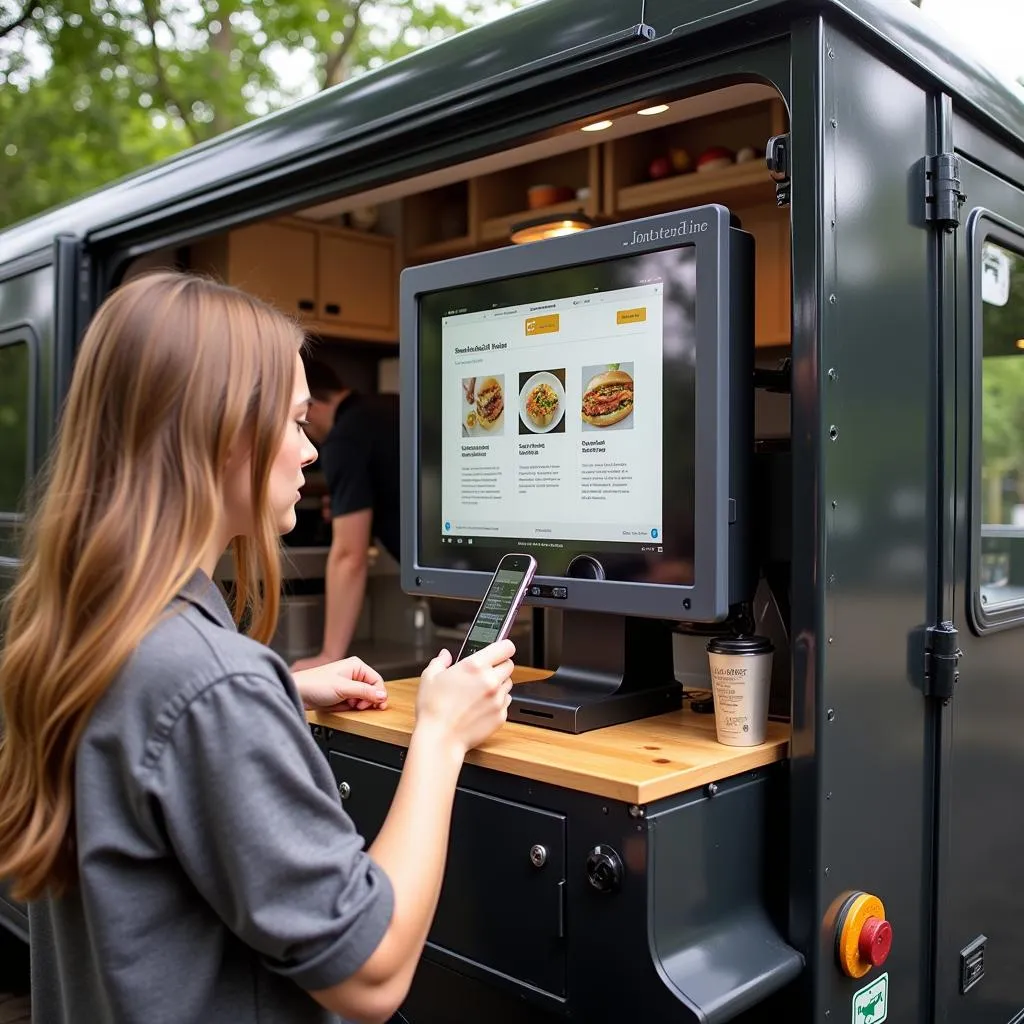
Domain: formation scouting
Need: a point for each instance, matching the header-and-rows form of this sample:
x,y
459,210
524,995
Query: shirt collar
x,y
202,593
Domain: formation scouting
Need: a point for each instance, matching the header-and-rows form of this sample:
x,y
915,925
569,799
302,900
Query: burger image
x,y
490,402
608,398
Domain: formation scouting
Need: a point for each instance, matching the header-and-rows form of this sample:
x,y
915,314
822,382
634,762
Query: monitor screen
x,y
547,403
588,401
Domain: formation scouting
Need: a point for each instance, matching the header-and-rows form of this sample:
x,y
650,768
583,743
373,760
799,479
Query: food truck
x,y
789,234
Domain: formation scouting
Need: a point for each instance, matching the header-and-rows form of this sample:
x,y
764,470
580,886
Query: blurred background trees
x,y
91,90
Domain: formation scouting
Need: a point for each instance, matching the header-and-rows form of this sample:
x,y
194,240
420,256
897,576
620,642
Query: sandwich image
x,y
490,402
542,404
608,398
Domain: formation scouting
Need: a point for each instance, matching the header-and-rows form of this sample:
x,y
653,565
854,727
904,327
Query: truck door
x,y
980,896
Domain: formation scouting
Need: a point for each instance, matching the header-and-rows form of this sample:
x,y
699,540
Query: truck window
x,y
16,409
999,478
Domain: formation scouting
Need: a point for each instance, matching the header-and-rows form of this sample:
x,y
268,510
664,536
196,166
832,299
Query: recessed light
x,y
648,111
540,228
597,126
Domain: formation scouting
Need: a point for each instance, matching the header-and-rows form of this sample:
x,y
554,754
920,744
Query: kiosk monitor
x,y
587,400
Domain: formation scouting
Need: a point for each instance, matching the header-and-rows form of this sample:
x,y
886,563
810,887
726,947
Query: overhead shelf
x,y
738,185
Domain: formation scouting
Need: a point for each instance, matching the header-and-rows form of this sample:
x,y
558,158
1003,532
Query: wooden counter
x,y
637,762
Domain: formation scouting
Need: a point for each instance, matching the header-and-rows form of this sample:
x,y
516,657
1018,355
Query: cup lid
x,y
744,645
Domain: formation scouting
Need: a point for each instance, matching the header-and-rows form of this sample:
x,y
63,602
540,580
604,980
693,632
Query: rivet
x,y
831,577
834,122
831,54
833,433
827,870
830,639
835,504
833,373
831,714
828,795
832,299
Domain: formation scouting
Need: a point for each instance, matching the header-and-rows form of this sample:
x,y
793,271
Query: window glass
x,y
1001,568
15,413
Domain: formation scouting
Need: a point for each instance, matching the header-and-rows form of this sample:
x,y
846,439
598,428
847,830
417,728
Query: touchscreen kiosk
x,y
587,400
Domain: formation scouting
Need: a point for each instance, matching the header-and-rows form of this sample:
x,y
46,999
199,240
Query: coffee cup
x,y
741,676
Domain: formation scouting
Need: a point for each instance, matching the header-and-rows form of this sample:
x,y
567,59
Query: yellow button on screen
x,y
631,316
542,324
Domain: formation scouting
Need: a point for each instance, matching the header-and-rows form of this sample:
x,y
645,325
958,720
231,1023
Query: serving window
x,y
17,387
998,477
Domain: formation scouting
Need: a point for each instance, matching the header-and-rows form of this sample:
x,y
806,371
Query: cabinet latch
x,y
776,156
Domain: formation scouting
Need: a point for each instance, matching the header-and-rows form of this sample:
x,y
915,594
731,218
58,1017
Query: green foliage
x,y
91,90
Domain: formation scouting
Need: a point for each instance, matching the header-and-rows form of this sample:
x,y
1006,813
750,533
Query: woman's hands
x,y
346,685
467,702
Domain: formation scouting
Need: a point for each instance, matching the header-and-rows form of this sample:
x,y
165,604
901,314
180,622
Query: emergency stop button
x,y
863,935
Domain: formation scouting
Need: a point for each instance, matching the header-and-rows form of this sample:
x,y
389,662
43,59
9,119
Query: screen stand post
x,y
613,669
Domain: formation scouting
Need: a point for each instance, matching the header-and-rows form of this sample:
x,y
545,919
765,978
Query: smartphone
x,y
497,610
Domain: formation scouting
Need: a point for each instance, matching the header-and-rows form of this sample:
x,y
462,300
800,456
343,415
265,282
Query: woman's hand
x,y
346,685
466,702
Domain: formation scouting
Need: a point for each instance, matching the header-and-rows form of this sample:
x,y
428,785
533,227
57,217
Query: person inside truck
x,y
358,440
164,808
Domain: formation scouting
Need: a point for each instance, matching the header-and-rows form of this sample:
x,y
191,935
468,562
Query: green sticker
x,y
871,1003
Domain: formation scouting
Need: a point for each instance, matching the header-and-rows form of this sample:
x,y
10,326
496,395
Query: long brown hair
x,y
174,373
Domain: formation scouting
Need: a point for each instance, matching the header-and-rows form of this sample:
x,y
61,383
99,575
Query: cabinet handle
x,y
333,309
306,305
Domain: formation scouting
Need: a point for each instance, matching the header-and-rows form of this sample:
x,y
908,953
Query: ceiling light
x,y
540,228
1019,343
597,126
648,111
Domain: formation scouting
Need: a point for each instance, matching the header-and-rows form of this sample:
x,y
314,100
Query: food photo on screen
x,y
607,397
483,406
542,402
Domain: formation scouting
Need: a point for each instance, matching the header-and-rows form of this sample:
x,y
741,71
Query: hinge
x,y
941,661
942,195
776,156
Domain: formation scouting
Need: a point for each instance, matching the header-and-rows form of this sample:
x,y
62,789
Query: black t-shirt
x,y
360,458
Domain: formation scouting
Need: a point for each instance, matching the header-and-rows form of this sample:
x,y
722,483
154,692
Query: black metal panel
x,y
497,910
711,924
808,508
981,841
878,362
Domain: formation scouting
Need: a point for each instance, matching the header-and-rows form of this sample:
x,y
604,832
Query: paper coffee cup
x,y
741,677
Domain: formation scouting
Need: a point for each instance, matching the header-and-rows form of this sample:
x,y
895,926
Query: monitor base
x,y
614,669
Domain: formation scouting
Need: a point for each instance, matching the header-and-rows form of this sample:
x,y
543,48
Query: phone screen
x,y
500,603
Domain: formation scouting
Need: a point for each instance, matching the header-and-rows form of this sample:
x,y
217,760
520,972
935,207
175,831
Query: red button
x,y
875,941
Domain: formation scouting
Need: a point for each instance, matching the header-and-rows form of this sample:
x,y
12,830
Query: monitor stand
x,y
613,669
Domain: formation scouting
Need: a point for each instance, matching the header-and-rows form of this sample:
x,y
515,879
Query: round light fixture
x,y
597,126
650,111
552,226
1019,343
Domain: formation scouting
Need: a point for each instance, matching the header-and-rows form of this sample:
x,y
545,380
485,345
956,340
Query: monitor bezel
x,y
709,230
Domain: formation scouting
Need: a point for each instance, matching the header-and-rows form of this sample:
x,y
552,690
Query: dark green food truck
x,y
716,309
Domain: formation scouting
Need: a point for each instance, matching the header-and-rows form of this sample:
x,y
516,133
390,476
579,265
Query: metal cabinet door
x,y
979,973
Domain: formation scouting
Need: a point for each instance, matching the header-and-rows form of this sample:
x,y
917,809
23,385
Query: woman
x,y
163,807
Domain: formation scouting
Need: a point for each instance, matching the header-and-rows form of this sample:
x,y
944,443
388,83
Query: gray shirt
x,y
219,877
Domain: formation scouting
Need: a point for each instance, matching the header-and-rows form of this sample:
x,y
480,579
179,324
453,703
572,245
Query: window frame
x,y
23,334
986,228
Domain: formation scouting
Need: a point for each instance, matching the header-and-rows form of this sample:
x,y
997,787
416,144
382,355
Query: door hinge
x,y
942,195
941,661
776,156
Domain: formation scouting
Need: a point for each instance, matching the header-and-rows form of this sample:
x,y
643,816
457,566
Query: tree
x,y
93,89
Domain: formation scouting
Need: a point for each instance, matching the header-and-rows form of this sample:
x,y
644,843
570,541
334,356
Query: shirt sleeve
x,y
251,811
346,457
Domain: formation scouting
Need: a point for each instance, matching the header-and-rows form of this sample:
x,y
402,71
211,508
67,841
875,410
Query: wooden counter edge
x,y
394,727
